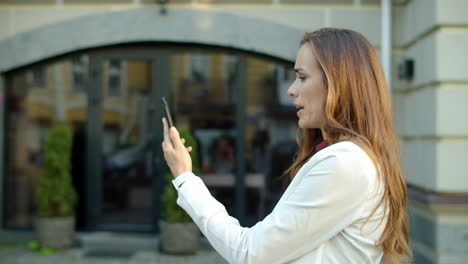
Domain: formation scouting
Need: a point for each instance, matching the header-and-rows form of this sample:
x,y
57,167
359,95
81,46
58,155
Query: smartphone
x,y
168,112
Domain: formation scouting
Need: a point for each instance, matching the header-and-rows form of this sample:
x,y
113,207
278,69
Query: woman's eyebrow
x,y
298,70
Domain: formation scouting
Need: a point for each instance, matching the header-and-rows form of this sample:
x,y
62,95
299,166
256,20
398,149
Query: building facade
x,y
101,68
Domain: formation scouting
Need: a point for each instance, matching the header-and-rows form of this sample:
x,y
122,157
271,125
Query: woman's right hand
x,y
175,153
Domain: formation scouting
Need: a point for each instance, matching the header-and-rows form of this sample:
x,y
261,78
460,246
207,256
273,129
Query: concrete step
x,y
16,236
117,242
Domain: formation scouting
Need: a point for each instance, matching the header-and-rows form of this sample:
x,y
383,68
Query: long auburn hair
x,y
358,109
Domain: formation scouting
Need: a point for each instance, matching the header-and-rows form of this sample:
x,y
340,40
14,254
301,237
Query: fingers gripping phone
x,y
168,112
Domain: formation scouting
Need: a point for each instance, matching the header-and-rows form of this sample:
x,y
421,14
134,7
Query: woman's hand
x,y
175,153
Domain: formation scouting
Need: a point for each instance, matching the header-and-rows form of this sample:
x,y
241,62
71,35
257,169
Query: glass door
x,y
206,93
127,114
123,132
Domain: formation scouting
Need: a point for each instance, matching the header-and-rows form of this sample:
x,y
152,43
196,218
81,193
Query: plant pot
x,y
179,238
55,232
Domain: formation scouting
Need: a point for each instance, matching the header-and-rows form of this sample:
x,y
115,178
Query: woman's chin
x,y
301,124
305,125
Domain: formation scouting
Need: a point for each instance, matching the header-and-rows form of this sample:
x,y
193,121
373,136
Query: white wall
x,y
431,110
307,17
431,115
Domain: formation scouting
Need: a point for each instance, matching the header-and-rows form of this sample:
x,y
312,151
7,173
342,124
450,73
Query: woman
x,y
346,202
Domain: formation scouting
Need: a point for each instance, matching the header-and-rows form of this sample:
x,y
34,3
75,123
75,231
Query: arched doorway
x,y
229,98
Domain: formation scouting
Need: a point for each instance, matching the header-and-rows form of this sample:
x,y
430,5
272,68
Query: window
x,y
231,64
284,78
31,111
78,70
39,77
115,71
198,67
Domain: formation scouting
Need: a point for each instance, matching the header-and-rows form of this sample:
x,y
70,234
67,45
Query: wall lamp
x,y
163,7
406,69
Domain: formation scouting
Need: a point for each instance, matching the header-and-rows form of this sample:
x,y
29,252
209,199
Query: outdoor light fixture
x,y
162,3
406,69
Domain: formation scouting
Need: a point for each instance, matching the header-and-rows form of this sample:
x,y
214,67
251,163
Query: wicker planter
x,y
55,232
179,238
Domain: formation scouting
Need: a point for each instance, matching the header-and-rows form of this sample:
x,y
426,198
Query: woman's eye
x,y
302,78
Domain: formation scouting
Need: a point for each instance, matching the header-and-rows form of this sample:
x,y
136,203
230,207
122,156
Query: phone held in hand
x,y
168,112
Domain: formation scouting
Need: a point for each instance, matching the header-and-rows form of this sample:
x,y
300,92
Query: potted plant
x,y
56,198
178,233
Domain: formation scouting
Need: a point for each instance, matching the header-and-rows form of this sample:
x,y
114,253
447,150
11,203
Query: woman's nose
x,y
292,91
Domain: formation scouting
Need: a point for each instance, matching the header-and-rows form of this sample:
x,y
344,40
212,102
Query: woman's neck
x,y
324,134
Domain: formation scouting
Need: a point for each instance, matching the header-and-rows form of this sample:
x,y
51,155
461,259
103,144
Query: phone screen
x,y
168,112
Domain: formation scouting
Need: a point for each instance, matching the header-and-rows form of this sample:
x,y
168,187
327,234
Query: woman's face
x,y
308,89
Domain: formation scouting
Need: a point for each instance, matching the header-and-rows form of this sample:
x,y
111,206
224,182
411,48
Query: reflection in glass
x,y
270,132
128,130
206,106
114,75
38,98
202,93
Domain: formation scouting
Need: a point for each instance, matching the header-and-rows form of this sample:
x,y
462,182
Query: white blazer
x,y
319,218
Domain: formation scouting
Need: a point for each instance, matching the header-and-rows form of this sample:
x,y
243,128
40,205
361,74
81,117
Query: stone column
x,y
432,120
2,148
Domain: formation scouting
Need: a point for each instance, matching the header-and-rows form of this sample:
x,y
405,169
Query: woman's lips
x,y
299,108
299,112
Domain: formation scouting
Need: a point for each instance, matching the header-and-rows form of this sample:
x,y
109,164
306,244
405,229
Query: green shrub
x,y
172,211
55,195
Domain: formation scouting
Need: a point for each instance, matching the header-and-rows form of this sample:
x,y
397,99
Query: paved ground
x,y
23,255
100,248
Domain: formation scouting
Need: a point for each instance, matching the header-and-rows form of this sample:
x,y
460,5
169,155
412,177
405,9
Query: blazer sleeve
x,y
327,199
